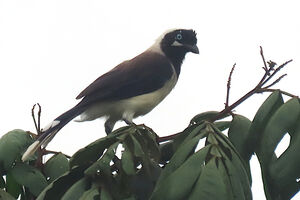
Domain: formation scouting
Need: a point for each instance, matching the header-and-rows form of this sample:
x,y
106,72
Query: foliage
x,y
208,160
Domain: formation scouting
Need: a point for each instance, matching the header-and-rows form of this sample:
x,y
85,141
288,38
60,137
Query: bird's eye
x,y
178,36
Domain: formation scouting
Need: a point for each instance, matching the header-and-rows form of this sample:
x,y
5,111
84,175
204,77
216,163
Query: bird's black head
x,y
176,43
179,41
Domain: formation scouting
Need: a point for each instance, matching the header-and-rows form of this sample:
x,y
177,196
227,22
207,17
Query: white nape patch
x,y
30,150
50,125
156,46
176,44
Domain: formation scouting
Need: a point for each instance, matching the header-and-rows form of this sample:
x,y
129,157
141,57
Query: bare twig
x,y
228,85
276,81
34,120
39,118
37,123
264,60
275,71
281,91
270,71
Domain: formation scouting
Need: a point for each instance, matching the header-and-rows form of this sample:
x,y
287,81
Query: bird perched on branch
x,y
131,89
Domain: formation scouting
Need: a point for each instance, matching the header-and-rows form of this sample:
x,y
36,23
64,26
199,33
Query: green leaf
x,y
167,150
5,196
282,121
262,116
30,177
92,193
137,147
56,166
231,152
285,170
204,116
12,187
93,151
238,135
151,146
182,153
127,161
76,190
58,187
105,195
210,184
179,183
235,181
222,125
103,164
2,182
12,145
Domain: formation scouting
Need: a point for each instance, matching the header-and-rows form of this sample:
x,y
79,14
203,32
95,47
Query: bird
x,y
129,90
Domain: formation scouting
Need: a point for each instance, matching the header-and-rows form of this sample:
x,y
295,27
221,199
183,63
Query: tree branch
x,y
228,85
270,71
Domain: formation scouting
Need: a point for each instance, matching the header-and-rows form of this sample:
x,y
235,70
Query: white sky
x,y
51,50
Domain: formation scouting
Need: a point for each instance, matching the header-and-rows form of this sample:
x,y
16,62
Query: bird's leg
x,y
109,125
129,122
127,118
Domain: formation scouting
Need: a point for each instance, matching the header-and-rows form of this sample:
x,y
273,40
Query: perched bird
x,y
131,89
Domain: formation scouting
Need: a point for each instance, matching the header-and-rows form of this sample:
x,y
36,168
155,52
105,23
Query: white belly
x,y
129,108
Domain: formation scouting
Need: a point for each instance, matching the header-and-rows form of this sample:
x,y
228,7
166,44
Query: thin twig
x,y
276,81
228,85
268,75
275,71
33,117
263,58
39,118
281,91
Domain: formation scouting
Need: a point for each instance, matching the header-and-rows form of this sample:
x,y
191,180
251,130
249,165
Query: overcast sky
x,y
51,50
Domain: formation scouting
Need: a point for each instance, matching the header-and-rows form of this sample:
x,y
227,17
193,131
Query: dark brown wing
x,y
143,74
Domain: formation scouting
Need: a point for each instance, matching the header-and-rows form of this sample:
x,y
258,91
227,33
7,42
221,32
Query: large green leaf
x,y
127,161
2,182
77,190
103,164
182,153
30,177
89,154
92,193
58,187
281,122
12,145
210,184
285,170
12,187
56,166
179,183
238,135
262,116
105,195
5,196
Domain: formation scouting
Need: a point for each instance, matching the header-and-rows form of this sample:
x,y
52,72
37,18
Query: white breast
x,y
129,108
142,104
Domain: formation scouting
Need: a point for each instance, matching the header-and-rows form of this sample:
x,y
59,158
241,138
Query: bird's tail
x,y
50,131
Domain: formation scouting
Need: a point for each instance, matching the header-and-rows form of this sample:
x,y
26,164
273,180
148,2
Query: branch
x,y
228,85
276,81
37,123
275,71
281,91
270,71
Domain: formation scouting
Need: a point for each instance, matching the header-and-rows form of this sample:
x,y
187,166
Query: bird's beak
x,y
193,48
